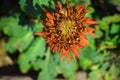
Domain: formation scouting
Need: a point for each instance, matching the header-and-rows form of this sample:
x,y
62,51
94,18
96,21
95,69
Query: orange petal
x,y
75,50
50,16
80,9
38,33
89,30
48,24
83,40
89,21
65,52
60,6
82,6
73,5
66,3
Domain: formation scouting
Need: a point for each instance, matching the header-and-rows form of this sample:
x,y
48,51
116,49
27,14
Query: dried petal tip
x,y
65,29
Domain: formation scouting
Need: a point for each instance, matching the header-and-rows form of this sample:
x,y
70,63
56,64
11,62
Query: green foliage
x,y
101,60
33,52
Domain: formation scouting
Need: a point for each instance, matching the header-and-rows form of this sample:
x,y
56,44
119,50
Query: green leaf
x,y
104,23
99,33
63,1
6,24
22,4
20,42
49,71
38,27
117,2
86,60
85,63
68,69
91,12
96,75
107,76
41,2
114,72
38,64
91,41
115,28
37,49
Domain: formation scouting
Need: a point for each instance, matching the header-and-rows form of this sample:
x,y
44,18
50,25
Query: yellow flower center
x,y
66,27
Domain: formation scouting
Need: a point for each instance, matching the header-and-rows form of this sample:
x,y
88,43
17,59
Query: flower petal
x,y
88,21
38,33
65,52
59,5
48,15
89,30
80,9
75,50
83,40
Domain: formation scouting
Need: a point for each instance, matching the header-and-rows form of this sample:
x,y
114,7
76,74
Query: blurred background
x,y
24,56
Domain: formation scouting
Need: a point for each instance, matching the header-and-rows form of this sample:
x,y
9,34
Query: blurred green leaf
x,y
37,49
49,71
91,41
91,12
68,69
22,4
86,59
38,64
18,35
104,23
105,66
108,76
114,72
96,75
117,2
38,27
99,33
63,1
41,2
112,42
10,25
20,42
85,63
115,28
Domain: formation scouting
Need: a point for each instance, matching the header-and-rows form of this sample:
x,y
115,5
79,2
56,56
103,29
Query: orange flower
x,y
65,29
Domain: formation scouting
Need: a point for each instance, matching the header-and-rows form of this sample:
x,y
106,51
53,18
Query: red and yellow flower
x,y
65,29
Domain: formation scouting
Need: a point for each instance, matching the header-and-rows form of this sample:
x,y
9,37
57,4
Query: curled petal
x,y
65,52
89,30
38,34
66,3
59,5
75,50
48,24
83,40
89,21
73,5
48,15
80,9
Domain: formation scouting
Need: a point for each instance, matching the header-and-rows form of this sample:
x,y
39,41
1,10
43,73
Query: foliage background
x,y
101,60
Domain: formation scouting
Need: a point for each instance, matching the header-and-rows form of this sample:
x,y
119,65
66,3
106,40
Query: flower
x,y
65,29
